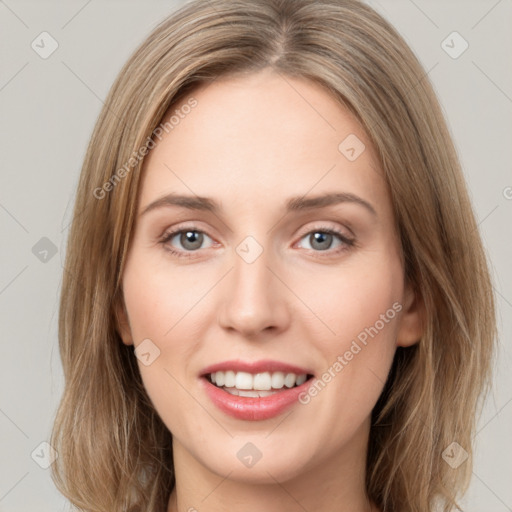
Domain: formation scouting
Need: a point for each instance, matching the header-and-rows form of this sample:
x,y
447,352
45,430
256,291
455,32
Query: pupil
x,y
323,239
191,240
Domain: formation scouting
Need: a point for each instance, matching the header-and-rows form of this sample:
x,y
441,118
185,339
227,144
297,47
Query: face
x,y
264,289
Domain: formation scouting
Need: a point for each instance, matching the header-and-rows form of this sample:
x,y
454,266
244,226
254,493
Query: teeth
x,y
229,379
219,379
243,380
289,380
262,381
247,382
301,379
277,380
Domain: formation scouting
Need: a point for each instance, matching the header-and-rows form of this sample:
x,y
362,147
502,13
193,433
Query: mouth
x,y
255,391
257,385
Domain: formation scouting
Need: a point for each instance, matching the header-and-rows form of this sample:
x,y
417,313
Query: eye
x,y
190,240
184,242
322,239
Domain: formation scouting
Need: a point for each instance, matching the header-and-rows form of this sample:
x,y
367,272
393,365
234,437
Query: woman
x,y
269,302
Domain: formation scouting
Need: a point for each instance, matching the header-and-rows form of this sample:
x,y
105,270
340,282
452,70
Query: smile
x,y
258,385
255,391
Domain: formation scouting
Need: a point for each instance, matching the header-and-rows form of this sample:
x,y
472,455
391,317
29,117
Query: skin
x,y
252,142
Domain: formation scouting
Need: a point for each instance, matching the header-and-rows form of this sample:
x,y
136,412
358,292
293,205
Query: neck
x,y
335,484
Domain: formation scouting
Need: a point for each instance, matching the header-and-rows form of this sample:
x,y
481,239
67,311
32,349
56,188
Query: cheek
x,y
164,307
360,311
159,300
348,300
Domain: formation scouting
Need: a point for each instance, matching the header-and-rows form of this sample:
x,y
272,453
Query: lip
x,y
249,408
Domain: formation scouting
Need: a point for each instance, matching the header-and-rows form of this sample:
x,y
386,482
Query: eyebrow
x,y
293,204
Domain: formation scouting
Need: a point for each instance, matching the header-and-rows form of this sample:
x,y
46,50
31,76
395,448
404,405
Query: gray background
x,y
48,108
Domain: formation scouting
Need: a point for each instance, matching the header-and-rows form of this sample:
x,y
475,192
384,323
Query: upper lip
x,y
254,367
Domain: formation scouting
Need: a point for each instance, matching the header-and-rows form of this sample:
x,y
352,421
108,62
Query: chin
x,y
259,459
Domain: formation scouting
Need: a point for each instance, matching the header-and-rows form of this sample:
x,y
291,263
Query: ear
x,y
121,321
412,320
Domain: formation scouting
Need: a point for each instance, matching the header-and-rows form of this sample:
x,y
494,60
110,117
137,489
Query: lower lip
x,y
254,409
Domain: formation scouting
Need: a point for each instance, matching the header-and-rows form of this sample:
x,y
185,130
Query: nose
x,y
255,300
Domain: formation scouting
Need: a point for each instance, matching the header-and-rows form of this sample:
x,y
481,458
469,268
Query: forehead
x,y
257,135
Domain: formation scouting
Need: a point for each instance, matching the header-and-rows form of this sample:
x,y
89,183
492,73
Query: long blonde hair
x,y
115,453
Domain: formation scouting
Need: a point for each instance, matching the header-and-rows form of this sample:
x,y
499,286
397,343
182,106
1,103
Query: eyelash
x,y
168,236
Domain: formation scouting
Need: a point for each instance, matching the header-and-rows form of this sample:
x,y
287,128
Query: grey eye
x,y
190,240
321,240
